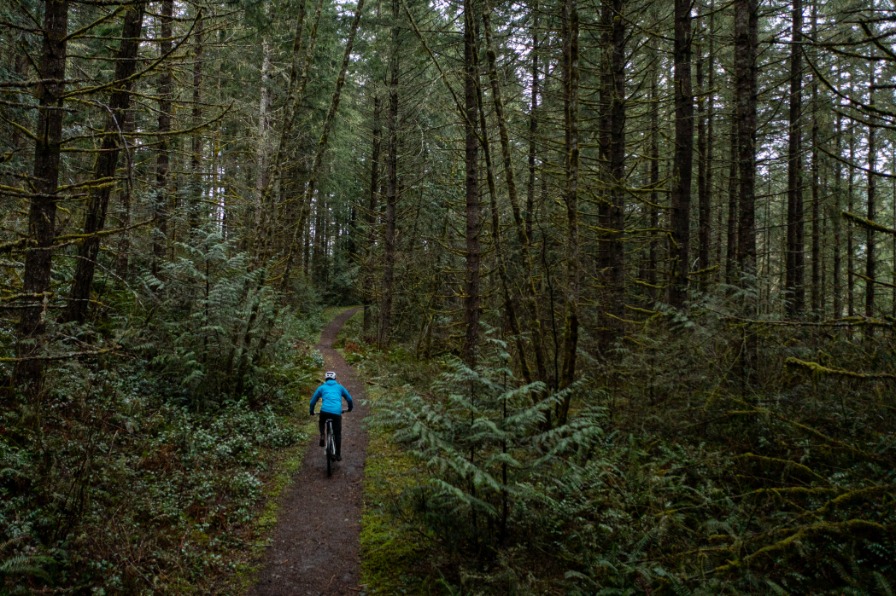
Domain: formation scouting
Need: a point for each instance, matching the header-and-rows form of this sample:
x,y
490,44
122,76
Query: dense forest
x,y
627,269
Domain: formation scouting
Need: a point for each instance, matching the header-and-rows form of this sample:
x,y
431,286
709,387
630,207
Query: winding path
x,y
316,544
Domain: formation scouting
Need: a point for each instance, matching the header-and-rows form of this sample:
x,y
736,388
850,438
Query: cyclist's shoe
x,y
338,458
321,443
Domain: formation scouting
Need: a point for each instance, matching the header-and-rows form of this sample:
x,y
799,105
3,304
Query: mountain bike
x,y
330,444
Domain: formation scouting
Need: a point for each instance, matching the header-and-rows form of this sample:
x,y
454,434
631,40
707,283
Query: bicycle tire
x,y
330,449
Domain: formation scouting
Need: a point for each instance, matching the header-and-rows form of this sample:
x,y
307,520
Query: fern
x,y
27,566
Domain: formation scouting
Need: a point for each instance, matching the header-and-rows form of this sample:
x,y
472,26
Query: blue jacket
x,y
331,394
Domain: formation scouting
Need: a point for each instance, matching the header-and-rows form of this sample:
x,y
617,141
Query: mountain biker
x,y
331,394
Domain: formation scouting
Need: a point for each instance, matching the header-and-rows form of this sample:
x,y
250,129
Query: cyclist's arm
x,y
348,398
314,399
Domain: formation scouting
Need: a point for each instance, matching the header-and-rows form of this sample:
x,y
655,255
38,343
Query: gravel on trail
x,y
315,546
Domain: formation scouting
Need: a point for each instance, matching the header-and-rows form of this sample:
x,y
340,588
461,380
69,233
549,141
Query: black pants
x,y
337,428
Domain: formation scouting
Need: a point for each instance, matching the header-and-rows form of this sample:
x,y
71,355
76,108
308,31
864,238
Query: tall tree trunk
x,y
709,165
684,151
535,305
850,238
391,183
522,227
611,256
818,291
836,220
570,63
745,51
367,283
533,124
197,199
704,215
42,209
161,211
653,257
795,293
504,135
471,185
262,156
731,245
106,163
123,258
870,249
510,309
617,172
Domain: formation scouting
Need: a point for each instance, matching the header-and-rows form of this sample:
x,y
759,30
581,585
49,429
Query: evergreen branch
x,y
867,223
822,526
816,368
785,462
137,75
812,431
58,357
853,494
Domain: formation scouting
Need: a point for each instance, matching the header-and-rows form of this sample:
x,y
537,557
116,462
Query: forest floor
x,y
315,546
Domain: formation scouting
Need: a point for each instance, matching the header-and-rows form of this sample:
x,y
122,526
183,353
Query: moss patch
x,y
392,549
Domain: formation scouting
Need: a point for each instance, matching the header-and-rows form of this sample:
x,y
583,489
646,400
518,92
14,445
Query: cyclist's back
x,y
331,394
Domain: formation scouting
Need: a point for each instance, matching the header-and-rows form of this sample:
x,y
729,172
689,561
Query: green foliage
x,y
125,492
216,331
680,480
143,467
484,445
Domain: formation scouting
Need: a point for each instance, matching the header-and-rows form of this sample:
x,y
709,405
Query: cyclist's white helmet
x,y
330,375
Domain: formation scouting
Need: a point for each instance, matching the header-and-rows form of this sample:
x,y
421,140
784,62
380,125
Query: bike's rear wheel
x,y
330,453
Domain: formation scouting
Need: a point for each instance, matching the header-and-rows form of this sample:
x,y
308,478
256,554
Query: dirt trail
x,y
316,545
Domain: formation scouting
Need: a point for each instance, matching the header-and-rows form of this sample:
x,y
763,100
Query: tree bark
x,y
262,182
654,177
106,163
611,257
570,64
367,289
745,91
42,209
850,238
391,184
794,288
870,249
745,48
709,160
197,210
533,125
471,186
704,215
684,151
510,310
837,265
161,211
818,291
731,223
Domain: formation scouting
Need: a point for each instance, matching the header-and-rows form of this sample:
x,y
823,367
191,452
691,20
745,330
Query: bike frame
x,y
330,444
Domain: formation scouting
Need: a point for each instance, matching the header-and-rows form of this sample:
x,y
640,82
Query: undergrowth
x,y
150,465
671,481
